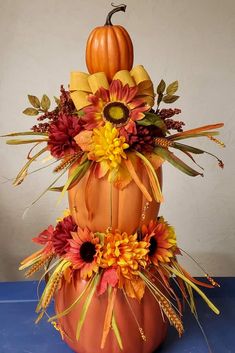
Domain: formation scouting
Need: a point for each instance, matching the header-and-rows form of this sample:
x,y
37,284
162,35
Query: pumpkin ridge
x,y
123,48
115,49
88,51
130,47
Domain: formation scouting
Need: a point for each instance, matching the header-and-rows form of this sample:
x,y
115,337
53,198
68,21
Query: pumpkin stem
x,y
117,8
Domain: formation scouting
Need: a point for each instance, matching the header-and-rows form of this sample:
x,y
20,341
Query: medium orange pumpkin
x,y
109,48
127,207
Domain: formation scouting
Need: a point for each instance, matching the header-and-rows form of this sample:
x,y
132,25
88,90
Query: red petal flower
x,y
62,235
61,136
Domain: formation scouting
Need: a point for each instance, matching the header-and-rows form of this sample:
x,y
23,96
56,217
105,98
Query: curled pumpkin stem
x,y
117,8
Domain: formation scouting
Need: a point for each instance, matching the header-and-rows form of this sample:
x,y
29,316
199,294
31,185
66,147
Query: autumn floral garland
x,y
130,262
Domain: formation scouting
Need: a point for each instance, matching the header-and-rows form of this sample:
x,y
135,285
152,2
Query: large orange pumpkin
x,y
127,207
109,48
147,313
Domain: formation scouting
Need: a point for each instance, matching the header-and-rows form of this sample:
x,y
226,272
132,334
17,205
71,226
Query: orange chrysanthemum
x,y
124,253
117,105
162,239
84,252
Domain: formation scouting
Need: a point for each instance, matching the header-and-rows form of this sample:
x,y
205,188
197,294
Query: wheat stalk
x,y
51,290
171,314
39,264
66,162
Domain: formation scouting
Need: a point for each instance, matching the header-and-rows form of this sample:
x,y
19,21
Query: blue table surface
x,y
19,334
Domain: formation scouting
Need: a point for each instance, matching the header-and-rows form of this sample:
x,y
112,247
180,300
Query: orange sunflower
x,y
84,252
162,239
118,105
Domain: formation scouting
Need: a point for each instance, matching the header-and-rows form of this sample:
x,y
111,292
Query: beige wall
x,y
192,41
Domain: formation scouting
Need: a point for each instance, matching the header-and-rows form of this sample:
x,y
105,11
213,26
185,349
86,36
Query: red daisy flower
x,y
62,235
84,252
61,136
117,105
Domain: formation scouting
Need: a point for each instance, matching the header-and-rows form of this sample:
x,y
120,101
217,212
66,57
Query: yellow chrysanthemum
x,y
125,253
107,147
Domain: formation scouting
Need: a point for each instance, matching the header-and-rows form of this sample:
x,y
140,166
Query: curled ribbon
x,y
83,84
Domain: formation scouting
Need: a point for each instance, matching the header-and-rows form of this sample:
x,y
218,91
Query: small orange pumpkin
x,y
109,48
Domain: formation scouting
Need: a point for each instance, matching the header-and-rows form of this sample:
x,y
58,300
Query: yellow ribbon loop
x,y
83,84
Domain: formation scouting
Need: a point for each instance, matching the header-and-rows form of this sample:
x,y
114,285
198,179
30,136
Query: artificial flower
x,y
62,235
118,105
124,253
61,135
105,146
84,252
45,238
162,239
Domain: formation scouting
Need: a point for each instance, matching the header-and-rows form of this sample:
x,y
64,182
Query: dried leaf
x,y
170,98
23,142
45,102
57,100
34,101
30,111
161,87
159,98
172,88
135,288
175,161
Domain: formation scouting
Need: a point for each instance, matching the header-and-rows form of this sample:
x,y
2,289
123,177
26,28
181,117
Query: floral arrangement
x,y
112,125
115,260
111,128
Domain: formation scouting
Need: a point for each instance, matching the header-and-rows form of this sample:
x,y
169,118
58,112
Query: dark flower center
x,y
153,246
87,251
116,113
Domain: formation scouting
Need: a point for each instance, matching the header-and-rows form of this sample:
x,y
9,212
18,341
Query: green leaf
x,y
186,148
45,102
30,111
80,113
175,161
154,120
56,188
117,332
170,98
66,311
86,305
34,101
161,87
172,88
